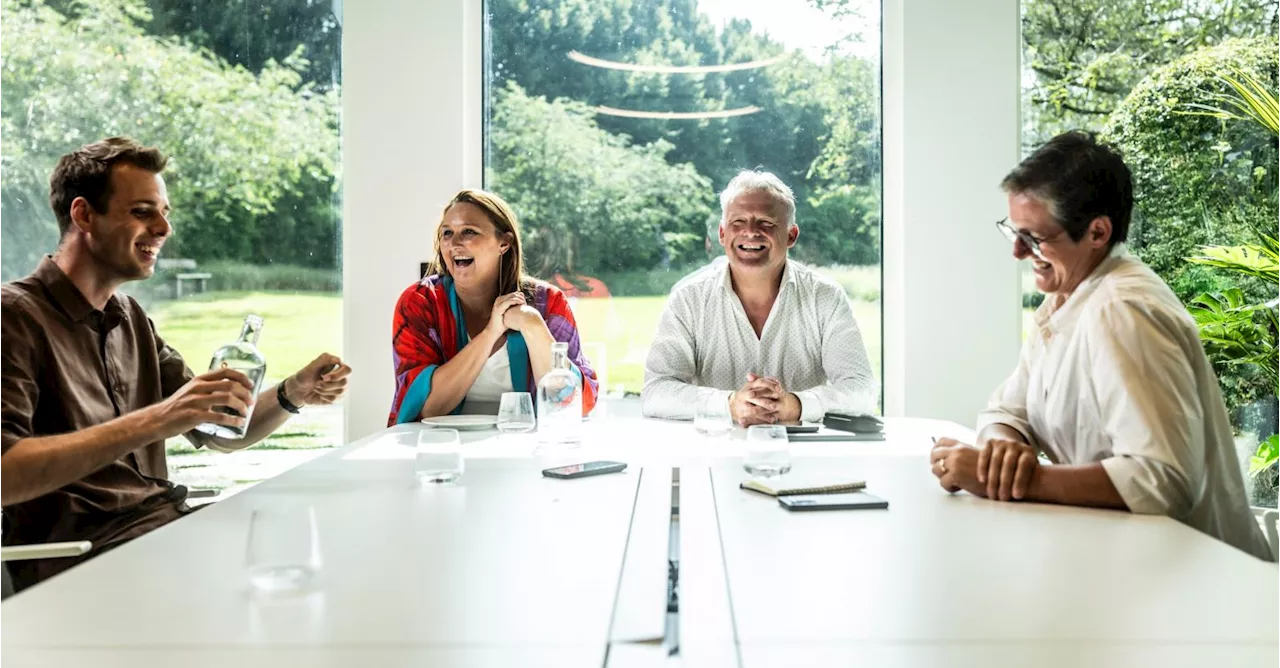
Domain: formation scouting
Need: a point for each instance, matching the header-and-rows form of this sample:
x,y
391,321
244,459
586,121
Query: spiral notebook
x,y
791,488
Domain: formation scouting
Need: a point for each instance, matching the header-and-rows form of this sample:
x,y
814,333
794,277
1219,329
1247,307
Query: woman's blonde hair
x,y
511,276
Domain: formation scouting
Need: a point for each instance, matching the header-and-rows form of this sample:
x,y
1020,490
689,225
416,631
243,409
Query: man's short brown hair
x,y
86,172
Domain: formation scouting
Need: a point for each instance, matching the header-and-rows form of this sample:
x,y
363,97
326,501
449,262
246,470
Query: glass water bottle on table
x,y
243,356
560,402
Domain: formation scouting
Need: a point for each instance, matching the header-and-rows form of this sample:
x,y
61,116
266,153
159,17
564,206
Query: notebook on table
x,y
834,436
790,488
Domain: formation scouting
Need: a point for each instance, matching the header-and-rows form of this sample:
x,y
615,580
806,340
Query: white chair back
x,y
1268,518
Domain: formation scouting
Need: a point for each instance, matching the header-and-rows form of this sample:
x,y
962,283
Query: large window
x,y
1144,74
245,101
612,125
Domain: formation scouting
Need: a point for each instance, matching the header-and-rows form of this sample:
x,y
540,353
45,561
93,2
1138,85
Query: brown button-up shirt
x,y
66,367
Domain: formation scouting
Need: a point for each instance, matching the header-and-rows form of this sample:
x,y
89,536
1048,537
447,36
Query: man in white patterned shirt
x,y
773,339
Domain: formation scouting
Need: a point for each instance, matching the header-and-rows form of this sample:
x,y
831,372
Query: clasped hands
x,y
1000,469
763,400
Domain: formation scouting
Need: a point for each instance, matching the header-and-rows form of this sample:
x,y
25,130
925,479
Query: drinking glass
x,y
283,552
439,456
711,416
515,413
768,451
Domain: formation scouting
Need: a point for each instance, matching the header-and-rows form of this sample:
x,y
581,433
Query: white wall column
x,y
952,327
411,107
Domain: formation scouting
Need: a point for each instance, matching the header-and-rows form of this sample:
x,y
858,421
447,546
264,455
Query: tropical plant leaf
x,y
1249,101
1266,456
1252,260
1237,333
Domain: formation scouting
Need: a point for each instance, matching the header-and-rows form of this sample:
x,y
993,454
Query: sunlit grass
x,y
298,326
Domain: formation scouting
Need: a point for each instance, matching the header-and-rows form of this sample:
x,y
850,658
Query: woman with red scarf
x,y
476,326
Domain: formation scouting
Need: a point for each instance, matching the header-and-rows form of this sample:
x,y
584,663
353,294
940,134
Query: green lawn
x,y
616,332
624,327
297,327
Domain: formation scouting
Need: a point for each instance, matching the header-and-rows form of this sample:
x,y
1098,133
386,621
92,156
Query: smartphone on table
x,y
584,470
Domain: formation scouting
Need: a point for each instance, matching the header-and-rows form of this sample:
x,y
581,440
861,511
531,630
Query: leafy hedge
x,y
1198,180
1201,181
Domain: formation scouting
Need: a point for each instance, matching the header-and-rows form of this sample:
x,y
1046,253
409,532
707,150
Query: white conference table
x,y
509,568
958,580
505,568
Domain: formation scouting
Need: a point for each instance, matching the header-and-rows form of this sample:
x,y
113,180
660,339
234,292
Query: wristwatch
x,y
284,401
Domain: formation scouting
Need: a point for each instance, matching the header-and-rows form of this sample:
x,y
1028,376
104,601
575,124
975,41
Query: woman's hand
x,y
1006,467
956,466
522,317
497,318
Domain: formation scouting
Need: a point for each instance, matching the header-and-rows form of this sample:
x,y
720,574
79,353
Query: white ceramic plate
x,y
463,422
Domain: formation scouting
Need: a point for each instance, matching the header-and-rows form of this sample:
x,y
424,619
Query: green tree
x,y
1198,180
590,201
810,113
1201,180
254,157
1084,56
842,215
250,33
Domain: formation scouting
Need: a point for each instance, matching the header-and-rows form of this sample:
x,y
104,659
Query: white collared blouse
x,y
1117,374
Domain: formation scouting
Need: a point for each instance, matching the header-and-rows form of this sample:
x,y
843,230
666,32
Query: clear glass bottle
x,y
560,401
243,356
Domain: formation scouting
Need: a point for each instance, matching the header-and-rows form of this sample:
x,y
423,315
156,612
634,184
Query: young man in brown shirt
x,y
89,391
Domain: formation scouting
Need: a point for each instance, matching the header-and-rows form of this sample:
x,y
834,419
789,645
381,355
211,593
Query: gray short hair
x,y
751,180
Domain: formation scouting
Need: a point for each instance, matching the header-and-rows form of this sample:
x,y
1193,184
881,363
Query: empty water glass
x,y
283,553
439,456
768,451
711,416
515,413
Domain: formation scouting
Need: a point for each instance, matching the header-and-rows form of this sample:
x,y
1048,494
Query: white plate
x,y
463,422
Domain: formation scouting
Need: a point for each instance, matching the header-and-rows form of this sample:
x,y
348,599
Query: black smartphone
x,y
802,428
584,470
851,501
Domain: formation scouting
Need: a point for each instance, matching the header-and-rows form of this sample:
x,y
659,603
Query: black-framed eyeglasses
x,y
1014,236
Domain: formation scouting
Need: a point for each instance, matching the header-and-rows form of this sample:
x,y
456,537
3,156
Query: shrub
x,y
1201,181
1198,180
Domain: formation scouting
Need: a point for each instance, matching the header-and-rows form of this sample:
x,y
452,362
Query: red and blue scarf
x,y
428,330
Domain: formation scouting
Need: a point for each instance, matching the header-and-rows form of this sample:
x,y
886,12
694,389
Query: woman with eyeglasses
x,y
1113,387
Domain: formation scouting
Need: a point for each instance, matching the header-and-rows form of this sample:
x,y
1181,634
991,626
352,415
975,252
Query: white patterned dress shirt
x,y
1117,375
705,347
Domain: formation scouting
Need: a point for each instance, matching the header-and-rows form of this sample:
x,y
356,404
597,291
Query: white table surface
x,y
937,578
504,560
509,568
327,657
1040,654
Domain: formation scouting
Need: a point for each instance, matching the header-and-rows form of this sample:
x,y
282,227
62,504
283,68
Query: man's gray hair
x,y
751,180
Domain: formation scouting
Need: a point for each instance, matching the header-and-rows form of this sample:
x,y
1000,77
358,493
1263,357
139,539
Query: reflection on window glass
x,y
245,102
613,125
1147,76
